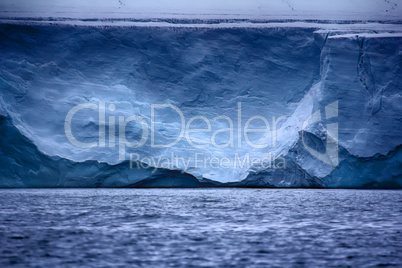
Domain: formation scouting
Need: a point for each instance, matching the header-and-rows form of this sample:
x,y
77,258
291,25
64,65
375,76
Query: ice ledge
x,y
368,35
322,26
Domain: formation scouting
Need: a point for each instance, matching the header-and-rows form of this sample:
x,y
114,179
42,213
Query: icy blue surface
x,y
292,71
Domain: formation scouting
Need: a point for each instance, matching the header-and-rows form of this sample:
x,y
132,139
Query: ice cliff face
x,y
328,97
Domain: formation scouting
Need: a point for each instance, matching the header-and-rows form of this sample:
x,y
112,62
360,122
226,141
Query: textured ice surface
x,y
274,69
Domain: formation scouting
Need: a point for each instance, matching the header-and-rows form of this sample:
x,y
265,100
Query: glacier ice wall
x,y
287,71
23,165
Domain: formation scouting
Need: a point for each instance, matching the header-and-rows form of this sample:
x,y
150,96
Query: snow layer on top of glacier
x,y
324,27
206,9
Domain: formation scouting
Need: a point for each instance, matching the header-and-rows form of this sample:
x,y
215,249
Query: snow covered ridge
x,y
284,104
333,25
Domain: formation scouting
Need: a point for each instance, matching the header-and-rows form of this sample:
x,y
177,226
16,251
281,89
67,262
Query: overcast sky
x,y
384,8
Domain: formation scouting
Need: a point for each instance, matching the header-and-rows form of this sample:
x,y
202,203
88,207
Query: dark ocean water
x,y
200,228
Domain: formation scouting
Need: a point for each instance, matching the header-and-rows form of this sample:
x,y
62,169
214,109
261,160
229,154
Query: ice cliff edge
x,y
281,104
